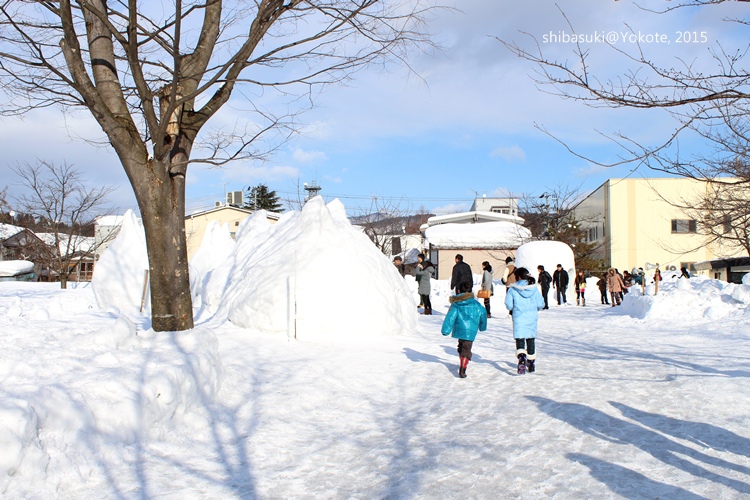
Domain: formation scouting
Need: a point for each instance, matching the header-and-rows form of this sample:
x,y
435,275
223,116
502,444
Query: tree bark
x,y
161,199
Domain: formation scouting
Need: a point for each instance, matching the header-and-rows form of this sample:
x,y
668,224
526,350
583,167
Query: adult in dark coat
x,y
461,273
545,280
560,282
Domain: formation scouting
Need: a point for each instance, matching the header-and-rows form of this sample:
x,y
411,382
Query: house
x,y
507,205
477,235
18,243
106,229
636,223
731,270
196,223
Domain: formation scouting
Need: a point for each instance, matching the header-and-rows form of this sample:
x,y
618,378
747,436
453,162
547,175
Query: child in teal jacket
x,y
465,317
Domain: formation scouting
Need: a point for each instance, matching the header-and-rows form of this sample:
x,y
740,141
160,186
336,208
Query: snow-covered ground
x,y
647,400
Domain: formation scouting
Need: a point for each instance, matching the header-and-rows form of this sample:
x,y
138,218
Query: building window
x,y
727,221
683,226
689,265
500,209
395,245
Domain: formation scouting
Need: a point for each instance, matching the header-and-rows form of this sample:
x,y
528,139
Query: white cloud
x,y
335,180
303,156
513,153
254,174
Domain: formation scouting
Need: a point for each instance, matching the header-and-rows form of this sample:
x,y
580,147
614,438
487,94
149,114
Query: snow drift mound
x,y
309,275
118,276
548,254
695,299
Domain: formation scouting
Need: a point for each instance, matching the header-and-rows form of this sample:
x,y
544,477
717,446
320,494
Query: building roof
x,y
109,220
269,215
8,230
476,216
488,235
722,263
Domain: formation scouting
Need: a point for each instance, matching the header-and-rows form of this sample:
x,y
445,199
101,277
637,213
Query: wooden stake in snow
x,y
145,289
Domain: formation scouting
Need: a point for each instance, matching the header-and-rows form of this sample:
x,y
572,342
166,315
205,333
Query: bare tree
x,y
153,74
58,196
706,97
552,216
387,221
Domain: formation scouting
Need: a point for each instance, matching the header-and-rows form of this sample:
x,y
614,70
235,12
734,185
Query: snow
x,y
8,230
308,275
501,234
549,254
15,267
644,400
119,275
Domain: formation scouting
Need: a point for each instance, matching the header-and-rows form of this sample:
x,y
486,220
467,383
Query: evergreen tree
x,y
261,198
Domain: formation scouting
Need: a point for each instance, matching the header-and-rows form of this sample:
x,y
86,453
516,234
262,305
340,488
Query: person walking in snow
x,y
461,273
544,280
425,272
524,301
508,276
602,284
560,280
487,284
580,284
615,285
465,317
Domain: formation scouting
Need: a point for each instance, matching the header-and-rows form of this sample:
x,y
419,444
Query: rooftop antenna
x,y
312,190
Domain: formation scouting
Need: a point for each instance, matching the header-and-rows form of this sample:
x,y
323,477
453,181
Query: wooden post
x,y
145,289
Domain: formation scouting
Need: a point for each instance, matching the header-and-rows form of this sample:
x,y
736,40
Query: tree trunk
x,y
162,203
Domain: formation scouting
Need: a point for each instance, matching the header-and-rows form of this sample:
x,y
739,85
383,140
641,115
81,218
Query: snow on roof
x,y
109,220
502,234
470,217
8,230
15,267
269,215
78,244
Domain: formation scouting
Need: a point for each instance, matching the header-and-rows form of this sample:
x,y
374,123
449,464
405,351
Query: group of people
x,y
466,316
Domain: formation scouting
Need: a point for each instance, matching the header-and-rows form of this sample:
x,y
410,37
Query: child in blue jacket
x,y
464,318
524,302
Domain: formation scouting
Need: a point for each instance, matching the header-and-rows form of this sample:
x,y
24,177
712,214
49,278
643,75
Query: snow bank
x,y
312,274
548,254
14,267
118,276
693,300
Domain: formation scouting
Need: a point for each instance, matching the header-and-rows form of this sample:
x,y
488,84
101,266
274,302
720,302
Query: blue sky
x,y
463,125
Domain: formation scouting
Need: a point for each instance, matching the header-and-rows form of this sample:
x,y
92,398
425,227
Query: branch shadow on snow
x,y
623,432
230,435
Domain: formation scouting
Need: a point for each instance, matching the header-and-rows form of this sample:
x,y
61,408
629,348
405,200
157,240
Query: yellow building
x,y
637,223
195,224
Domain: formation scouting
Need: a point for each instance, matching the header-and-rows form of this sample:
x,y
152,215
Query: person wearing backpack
x,y
545,280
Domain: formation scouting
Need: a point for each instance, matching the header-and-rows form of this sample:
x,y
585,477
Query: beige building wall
x,y
446,259
195,225
633,218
